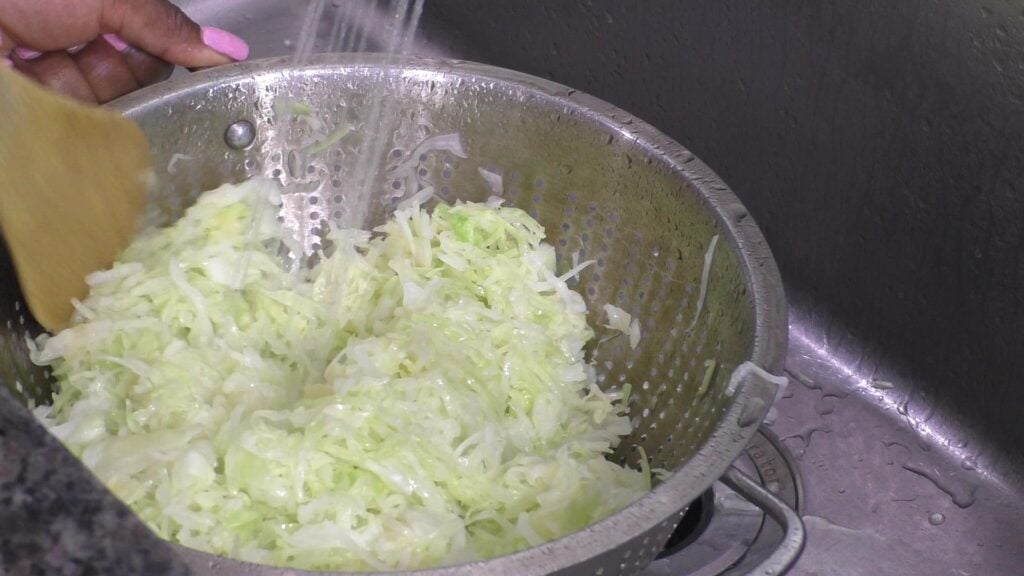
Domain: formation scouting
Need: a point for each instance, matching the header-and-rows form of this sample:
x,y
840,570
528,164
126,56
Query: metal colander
x,y
605,186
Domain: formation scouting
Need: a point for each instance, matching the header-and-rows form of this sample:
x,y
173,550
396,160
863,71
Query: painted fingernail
x,y
116,42
7,62
75,49
27,53
226,43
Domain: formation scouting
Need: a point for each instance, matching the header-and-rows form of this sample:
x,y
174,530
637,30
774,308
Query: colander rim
x,y
663,504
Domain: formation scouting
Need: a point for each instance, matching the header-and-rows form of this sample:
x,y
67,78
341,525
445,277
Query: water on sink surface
x,y
836,550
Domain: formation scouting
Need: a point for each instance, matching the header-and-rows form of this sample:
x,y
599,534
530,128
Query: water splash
x,y
308,34
393,25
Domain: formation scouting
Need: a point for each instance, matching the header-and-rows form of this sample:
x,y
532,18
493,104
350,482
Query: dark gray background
x,y
878,144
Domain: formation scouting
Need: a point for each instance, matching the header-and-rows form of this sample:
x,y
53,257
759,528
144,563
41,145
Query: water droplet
x,y
825,405
961,492
807,434
936,519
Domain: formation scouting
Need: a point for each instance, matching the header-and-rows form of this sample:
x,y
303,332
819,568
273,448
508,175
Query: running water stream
x,y
383,26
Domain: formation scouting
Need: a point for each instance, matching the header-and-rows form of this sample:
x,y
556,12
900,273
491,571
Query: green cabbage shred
x,y
417,397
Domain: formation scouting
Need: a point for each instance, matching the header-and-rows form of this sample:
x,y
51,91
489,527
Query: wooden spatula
x,y
73,182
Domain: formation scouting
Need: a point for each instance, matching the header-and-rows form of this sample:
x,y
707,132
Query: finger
x,y
163,30
5,49
57,71
51,25
146,68
105,70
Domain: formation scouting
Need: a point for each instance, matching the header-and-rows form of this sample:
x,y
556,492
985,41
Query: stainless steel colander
x,y
606,186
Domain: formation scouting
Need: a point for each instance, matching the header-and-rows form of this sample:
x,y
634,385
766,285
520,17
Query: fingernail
x,y
225,42
7,62
27,53
75,49
115,41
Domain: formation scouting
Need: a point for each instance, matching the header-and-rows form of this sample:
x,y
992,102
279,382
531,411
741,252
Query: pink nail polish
x,y
116,42
6,62
75,49
27,53
226,43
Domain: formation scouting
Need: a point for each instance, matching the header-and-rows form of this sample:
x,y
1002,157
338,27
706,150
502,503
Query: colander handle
x,y
783,558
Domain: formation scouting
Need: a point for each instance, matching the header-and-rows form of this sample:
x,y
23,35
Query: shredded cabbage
x,y
329,140
418,397
705,276
619,319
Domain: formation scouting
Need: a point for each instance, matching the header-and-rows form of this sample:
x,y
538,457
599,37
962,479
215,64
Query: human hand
x,y
97,50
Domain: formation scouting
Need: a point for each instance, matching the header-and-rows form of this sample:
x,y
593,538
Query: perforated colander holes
x,y
448,169
662,534
632,562
251,165
569,210
649,549
534,208
317,219
699,348
665,288
660,448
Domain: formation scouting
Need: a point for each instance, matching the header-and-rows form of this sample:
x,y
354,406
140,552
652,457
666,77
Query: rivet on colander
x,y
240,134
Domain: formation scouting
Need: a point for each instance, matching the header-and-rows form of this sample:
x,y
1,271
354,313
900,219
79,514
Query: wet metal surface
x,y
738,535
877,144
891,486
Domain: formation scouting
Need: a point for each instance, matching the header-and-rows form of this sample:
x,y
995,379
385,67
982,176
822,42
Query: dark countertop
x,y
57,518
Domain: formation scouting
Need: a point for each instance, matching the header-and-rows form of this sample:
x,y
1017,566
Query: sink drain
x,y
692,524
723,533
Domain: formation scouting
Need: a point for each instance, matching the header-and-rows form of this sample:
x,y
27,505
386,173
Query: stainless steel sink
x,y
878,146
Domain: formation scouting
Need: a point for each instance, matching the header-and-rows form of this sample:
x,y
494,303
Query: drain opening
x,y
692,525
724,532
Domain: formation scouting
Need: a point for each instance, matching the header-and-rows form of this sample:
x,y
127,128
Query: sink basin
x,y
878,148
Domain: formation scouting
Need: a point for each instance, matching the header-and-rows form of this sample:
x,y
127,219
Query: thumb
x,y
163,30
